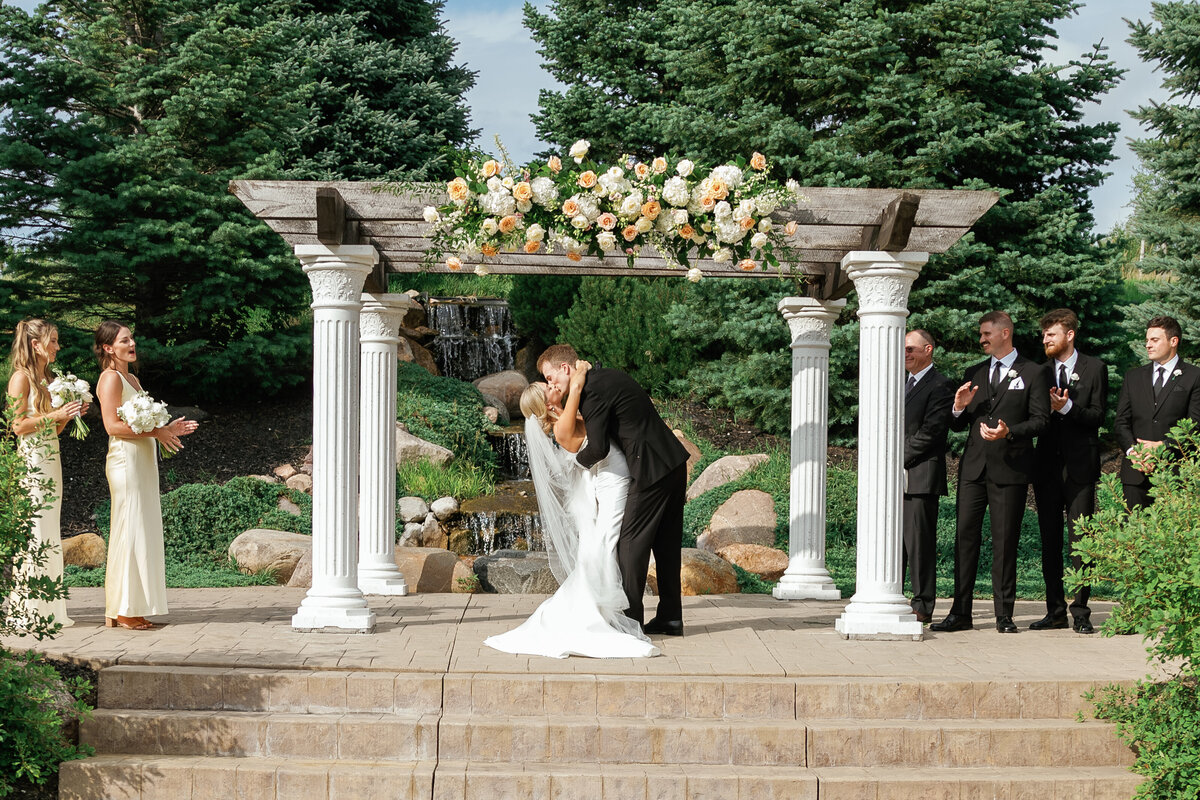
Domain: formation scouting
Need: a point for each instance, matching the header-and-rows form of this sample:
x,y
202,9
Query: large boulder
x,y
419,355
722,471
516,572
426,569
410,449
426,533
692,450
411,509
444,507
301,482
302,574
501,407
747,517
85,550
700,573
277,551
505,386
464,580
765,562
285,471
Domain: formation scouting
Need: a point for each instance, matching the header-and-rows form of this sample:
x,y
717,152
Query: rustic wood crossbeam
x,y
831,222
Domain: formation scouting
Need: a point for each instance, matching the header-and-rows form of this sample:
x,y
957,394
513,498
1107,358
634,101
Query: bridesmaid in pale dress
x,y
135,583
35,346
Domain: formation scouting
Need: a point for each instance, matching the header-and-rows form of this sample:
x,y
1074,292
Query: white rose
x,y
490,226
607,241
793,186
764,225
758,240
679,217
744,210
631,205
579,222
494,184
643,225
722,210
694,274
616,172
481,270
722,255
684,168
431,215
535,233
524,206
507,182
579,150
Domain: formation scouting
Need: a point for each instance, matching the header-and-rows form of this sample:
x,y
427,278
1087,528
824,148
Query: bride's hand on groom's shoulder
x,y
579,374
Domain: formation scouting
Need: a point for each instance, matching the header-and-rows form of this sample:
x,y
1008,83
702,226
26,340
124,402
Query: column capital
x,y
810,320
337,273
883,280
381,317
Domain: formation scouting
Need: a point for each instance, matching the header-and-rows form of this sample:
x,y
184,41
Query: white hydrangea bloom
x,y
730,175
545,193
675,192
499,203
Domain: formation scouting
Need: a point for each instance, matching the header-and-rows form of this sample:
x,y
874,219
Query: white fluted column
x,y
810,322
380,334
879,609
336,275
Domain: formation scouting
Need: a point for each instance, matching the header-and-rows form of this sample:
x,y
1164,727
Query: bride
x,y
581,512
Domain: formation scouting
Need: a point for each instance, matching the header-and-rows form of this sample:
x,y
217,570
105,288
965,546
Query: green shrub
x,y
448,412
424,479
539,303
35,705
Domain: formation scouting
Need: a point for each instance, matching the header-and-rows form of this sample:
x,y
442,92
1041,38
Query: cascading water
x,y
475,336
512,453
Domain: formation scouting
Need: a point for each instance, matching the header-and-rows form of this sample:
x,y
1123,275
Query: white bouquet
x,y
66,388
142,413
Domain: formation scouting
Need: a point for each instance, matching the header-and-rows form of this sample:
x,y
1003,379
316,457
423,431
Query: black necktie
x,y
1062,376
1159,382
909,384
995,384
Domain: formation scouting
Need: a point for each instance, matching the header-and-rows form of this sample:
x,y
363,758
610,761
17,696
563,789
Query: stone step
x,y
202,778
206,778
355,737
638,696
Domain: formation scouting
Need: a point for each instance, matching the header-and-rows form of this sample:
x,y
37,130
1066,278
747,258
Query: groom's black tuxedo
x,y
615,407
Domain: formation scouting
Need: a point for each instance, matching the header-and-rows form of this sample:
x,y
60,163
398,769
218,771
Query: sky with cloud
x,y
493,42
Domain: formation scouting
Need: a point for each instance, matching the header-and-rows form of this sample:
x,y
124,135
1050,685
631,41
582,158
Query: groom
x,y
615,407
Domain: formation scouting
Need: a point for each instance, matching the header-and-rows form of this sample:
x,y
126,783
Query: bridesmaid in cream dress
x,y
35,346
135,583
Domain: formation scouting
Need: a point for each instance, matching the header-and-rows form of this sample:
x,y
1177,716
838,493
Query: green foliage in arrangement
x,y
424,479
448,412
622,324
35,704
444,284
1150,556
1167,205
22,558
121,125
926,94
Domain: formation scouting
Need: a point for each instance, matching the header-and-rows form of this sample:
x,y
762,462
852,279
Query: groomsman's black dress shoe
x,y
1050,623
1005,625
1083,625
952,622
667,627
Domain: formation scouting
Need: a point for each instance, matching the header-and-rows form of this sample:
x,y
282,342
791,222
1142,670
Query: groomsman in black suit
x,y
1003,404
928,396
1068,461
1153,399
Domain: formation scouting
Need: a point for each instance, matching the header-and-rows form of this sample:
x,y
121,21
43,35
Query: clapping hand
x,y
964,396
170,434
994,434
1058,398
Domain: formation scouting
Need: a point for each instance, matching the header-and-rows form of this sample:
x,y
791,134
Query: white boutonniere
x,y
1012,374
1074,376
1176,373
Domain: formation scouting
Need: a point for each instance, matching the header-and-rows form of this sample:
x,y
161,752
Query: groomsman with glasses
x,y
1154,397
1068,462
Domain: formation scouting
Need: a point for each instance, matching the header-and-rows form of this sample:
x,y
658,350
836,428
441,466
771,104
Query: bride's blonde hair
x,y
24,360
533,404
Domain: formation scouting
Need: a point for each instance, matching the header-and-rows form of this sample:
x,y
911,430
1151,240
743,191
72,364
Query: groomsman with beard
x,y
928,395
1003,404
1068,462
1153,398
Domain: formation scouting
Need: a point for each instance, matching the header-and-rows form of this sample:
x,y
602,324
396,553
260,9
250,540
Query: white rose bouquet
x,y
66,388
142,413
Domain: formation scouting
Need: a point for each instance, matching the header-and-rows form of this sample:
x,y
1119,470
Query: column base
x,y
316,620
394,584
879,626
806,587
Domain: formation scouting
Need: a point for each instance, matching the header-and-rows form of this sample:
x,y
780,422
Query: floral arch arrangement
x,y
684,211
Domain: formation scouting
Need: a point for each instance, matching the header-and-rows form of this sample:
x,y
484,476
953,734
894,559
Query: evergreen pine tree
x,y
871,93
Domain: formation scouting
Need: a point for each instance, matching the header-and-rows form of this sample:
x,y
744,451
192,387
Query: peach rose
x,y
491,168
607,221
790,228
651,209
587,180
746,265
686,231
748,223
458,190
532,247
719,190
555,164
570,208
453,263
489,250
708,202
573,256
641,170
630,233
758,161
659,165
508,224
523,191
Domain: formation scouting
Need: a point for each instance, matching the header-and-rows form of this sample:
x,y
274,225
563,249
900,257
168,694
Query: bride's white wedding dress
x,y
581,512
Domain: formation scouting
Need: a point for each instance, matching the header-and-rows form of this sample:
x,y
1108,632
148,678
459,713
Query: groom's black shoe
x,y
667,627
